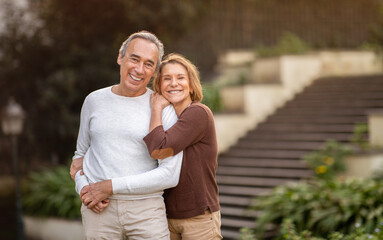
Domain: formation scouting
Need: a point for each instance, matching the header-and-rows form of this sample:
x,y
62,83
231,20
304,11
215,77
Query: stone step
x,y
238,223
341,103
259,153
239,212
290,136
230,234
251,181
324,111
243,191
336,96
238,201
317,119
264,172
377,78
282,145
306,128
339,88
259,162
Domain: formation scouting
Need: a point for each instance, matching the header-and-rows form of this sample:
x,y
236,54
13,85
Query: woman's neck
x,y
180,107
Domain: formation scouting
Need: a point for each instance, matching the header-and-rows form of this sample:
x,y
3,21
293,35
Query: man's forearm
x,y
166,175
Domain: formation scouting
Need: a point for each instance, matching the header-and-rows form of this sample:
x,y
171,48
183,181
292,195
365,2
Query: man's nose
x,y
140,68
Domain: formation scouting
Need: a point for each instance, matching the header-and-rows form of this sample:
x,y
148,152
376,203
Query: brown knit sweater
x,y
194,133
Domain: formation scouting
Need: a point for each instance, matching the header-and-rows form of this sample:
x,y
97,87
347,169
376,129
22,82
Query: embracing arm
x,y
189,129
83,144
166,175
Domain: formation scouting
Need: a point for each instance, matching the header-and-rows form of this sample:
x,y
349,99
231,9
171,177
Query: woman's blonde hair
x,y
193,74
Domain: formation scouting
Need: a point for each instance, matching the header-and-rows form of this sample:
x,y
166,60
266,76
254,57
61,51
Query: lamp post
x,y
12,124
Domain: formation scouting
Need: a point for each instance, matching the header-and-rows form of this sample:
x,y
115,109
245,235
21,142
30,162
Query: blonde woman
x,y
192,206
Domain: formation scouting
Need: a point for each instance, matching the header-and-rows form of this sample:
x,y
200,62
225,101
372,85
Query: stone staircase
x,y
270,155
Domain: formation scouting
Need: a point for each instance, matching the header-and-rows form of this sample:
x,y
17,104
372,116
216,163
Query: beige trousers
x,y
127,219
202,227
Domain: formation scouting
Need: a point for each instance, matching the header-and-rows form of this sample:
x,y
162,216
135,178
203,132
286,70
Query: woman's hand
x,y
76,166
158,102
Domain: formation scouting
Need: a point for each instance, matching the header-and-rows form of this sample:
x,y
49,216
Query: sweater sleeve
x,y
83,143
189,129
166,175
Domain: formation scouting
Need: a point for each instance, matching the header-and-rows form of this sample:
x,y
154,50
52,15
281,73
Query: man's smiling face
x,y
137,67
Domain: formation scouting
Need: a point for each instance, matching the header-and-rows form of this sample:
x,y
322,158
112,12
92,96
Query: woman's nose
x,y
174,82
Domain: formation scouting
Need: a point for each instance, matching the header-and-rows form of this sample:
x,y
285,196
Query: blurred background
x,y
54,53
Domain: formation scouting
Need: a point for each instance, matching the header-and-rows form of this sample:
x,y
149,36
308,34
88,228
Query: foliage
x,y
328,161
247,234
358,137
288,232
51,193
211,97
375,40
323,207
289,43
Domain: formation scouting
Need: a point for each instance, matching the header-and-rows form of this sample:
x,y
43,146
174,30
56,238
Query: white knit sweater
x,y
110,139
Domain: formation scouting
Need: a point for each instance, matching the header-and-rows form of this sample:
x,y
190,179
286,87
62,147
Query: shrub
x,y
289,43
328,161
359,136
211,97
51,192
323,207
358,233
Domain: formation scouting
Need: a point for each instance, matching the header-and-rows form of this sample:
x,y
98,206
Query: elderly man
x,y
117,200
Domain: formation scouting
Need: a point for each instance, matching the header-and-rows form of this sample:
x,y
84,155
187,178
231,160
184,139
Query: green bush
x,y
288,232
51,192
358,137
323,207
289,43
211,97
328,161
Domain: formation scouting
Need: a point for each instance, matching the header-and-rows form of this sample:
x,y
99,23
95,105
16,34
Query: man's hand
x,y
100,206
96,192
76,166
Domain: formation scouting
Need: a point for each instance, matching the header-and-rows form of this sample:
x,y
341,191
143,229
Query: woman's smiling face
x,y
175,84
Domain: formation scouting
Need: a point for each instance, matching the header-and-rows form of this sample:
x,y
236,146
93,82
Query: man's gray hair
x,y
147,36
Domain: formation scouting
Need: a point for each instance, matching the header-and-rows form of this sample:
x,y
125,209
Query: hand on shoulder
x,y
157,101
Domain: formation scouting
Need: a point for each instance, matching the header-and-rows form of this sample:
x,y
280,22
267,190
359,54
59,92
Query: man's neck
x,y
119,90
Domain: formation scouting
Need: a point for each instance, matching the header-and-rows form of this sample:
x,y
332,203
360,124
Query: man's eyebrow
x,y
136,56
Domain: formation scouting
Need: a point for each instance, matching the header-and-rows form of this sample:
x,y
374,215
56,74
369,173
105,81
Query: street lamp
x,y
12,124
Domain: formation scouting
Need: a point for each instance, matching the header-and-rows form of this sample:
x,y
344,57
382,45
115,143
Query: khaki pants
x,y
127,219
202,227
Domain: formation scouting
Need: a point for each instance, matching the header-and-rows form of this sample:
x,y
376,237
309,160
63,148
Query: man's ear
x,y
119,59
